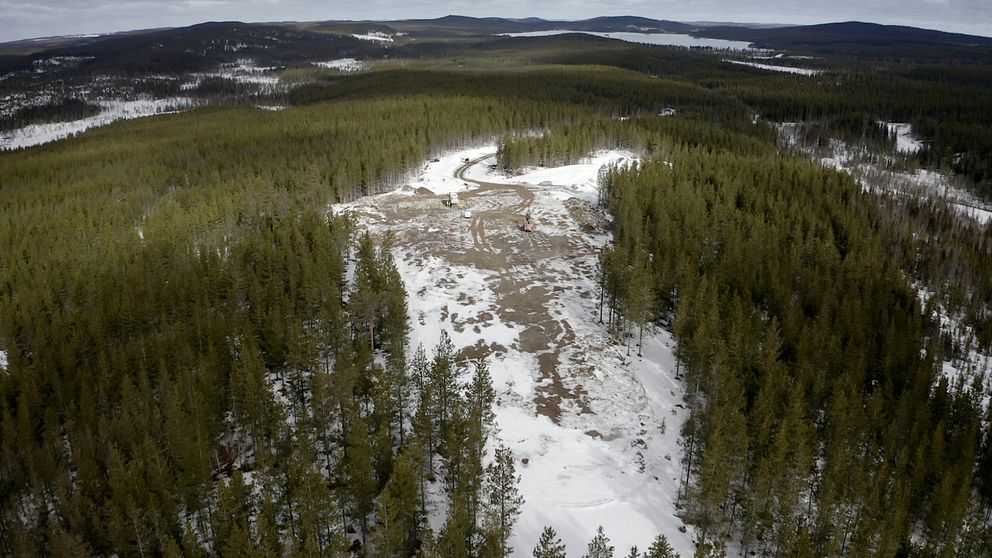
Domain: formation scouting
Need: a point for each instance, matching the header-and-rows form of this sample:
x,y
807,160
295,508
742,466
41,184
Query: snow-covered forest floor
x,y
882,172
888,171
594,429
111,111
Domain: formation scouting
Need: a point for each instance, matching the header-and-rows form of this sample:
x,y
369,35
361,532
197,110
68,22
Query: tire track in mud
x,y
480,219
523,301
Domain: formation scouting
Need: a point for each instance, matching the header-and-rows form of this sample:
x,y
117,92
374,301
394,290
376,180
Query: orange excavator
x,y
528,224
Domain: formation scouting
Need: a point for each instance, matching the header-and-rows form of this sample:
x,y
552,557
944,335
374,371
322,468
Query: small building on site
x,y
453,199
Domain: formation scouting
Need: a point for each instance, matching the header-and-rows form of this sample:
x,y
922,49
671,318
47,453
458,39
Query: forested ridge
x,y
202,361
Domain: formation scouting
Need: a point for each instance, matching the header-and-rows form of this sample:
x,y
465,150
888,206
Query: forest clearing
x,y
571,401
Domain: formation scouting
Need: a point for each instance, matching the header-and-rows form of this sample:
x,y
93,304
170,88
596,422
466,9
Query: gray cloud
x,y
21,19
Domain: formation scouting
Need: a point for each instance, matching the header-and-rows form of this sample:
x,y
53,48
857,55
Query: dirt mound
x,y
590,218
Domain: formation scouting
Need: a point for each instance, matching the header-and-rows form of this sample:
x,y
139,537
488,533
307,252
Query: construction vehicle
x,y
528,224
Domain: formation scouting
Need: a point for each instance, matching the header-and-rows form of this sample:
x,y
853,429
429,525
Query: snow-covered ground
x,y
343,64
374,36
974,365
906,142
594,431
664,39
244,70
876,172
37,134
3,360
786,69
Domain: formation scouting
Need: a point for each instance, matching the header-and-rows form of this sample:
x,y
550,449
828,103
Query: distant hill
x,y
855,38
205,45
464,25
198,47
627,23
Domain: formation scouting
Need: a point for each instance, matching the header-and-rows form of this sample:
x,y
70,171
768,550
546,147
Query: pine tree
x,y
443,387
549,545
237,544
660,549
599,546
399,509
504,499
359,472
641,295
480,417
365,303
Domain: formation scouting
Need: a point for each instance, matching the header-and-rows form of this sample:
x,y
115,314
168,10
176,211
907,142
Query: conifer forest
x,y
207,350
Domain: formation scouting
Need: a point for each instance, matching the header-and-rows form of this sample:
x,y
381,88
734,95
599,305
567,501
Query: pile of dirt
x,y
590,218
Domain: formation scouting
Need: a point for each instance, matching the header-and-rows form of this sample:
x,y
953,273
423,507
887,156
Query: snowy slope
x,y
598,428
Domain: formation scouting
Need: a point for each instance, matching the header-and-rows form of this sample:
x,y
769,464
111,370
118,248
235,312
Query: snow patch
x,y
3,360
37,134
771,67
878,172
906,142
245,71
342,64
374,36
973,366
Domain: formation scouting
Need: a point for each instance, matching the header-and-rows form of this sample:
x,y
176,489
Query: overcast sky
x,y
21,19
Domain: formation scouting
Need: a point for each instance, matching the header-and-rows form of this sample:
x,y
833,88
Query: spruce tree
x,y
549,545
599,546
660,549
359,472
504,500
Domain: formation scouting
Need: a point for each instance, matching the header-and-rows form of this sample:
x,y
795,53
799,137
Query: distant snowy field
x,y
37,134
906,142
612,456
376,36
664,39
343,64
774,68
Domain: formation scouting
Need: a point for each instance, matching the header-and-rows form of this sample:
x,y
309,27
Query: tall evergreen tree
x,y
599,546
549,545
504,501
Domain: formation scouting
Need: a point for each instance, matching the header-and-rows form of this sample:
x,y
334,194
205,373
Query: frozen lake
x,y
666,39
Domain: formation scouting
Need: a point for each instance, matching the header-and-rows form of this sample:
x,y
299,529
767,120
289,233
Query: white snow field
x,y
343,64
3,360
774,68
906,142
374,36
663,39
37,134
594,431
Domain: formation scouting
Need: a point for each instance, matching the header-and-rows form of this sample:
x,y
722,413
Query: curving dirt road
x,y
498,214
